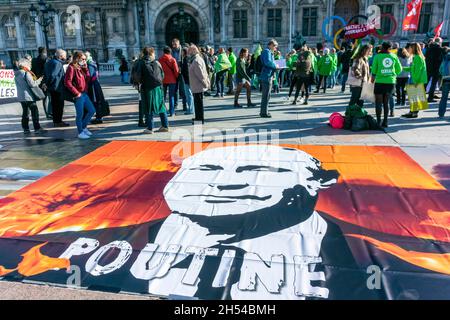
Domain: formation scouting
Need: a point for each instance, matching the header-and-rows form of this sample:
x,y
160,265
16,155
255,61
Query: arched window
x,y
89,21
9,27
28,26
68,24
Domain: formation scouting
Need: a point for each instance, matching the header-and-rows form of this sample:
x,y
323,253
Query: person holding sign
x,y
385,69
418,71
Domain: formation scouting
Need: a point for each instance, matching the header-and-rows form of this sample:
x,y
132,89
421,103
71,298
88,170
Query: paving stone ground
x,y
426,139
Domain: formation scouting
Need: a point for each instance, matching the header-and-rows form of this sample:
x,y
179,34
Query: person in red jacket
x,y
76,81
171,72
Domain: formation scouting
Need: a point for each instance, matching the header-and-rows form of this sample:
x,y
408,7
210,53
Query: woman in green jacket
x,y
325,66
385,68
221,68
418,71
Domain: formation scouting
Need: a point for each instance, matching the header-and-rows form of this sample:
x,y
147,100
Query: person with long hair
x,y
359,73
76,81
303,72
198,81
385,69
418,71
26,81
243,79
403,77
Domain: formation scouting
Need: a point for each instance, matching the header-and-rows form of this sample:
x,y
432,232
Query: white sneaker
x,y
87,132
83,136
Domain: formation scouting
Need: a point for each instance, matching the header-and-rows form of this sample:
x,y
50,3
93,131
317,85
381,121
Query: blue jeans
x,y
220,79
82,118
162,116
172,91
124,77
189,99
443,103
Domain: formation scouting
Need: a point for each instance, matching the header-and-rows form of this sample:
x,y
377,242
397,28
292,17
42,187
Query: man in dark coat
x,y
37,67
433,58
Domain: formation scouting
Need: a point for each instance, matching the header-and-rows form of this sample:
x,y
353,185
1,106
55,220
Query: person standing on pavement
x,y
418,70
54,82
359,73
151,77
403,77
385,69
243,79
232,71
445,74
221,67
344,62
124,70
37,67
325,67
266,77
334,70
434,56
76,80
95,91
171,72
185,75
303,75
26,80
198,81
176,54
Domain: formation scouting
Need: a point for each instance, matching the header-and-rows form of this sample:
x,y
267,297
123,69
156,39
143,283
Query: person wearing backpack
x,y
152,96
221,67
303,75
445,73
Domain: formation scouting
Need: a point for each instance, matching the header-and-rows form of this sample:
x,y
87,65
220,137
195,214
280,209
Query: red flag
x,y
438,29
411,21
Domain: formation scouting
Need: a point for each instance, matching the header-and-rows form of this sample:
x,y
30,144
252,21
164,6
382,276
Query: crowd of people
x,y
188,73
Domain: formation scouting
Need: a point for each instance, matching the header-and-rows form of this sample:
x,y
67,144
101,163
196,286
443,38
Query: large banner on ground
x,y
223,221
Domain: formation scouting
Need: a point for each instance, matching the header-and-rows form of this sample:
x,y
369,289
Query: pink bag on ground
x,y
337,120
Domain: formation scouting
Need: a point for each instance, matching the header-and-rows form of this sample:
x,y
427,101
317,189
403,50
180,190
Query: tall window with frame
x,y
274,19
425,18
240,24
386,23
309,27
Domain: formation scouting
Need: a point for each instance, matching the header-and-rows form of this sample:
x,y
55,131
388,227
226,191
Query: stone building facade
x,y
109,28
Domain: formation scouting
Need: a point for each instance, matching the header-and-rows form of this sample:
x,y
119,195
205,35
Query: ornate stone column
x,y
147,23
446,26
257,20
136,25
58,32
99,34
39,36
19,34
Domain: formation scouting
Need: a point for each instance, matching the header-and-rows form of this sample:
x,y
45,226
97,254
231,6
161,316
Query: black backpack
x,y
152,74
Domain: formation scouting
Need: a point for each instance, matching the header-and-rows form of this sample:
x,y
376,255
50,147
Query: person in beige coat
x,y
198,80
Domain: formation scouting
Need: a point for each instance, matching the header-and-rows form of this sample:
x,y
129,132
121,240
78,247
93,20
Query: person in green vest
x,y
221,68
418,70
291,63
325,66
385,69
332,77
232,71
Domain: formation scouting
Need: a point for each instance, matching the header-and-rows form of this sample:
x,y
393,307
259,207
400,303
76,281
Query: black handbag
x,y
68,95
